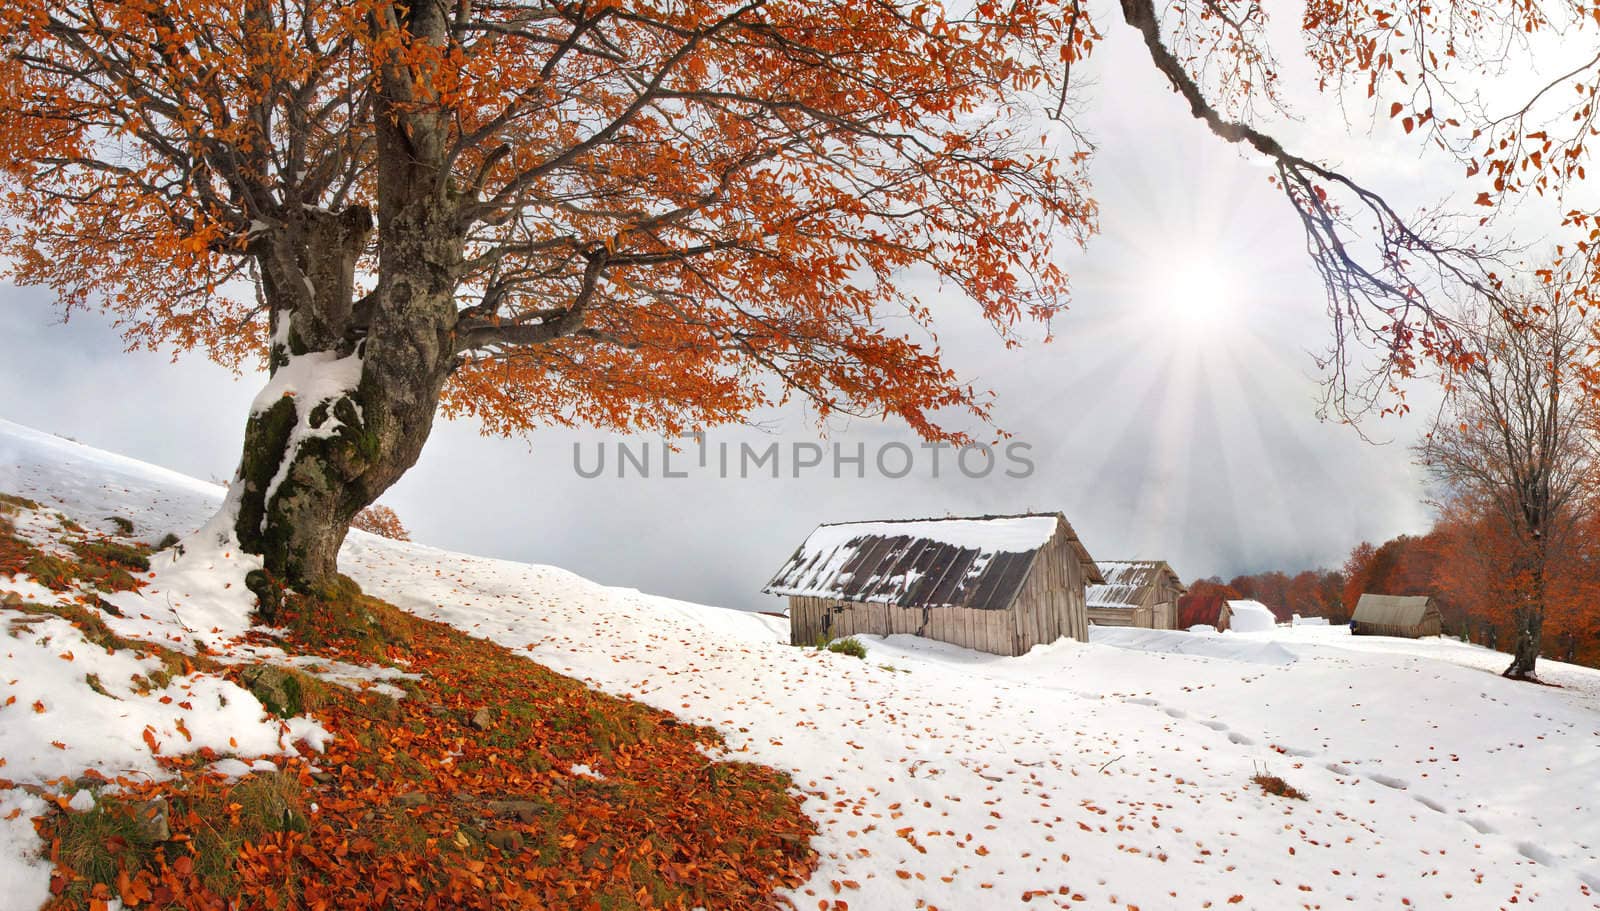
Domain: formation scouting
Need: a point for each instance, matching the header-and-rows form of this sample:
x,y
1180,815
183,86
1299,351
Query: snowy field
x,y
1110,774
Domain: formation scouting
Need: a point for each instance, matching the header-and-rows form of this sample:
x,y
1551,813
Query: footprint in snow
x,y
1338,769
1536,854
1240,739
1431,804
1215,725
1176,713
1389,781
1482,827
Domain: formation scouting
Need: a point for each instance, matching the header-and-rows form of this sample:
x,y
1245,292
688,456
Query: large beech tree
x,y
1516,450
657,213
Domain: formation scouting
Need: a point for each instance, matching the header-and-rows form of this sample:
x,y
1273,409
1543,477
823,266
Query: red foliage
x,y
381,520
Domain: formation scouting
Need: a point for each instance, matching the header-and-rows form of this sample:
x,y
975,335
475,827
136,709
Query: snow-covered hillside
x,y
1109,774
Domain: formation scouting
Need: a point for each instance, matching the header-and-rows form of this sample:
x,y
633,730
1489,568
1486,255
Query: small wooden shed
x,y
1407,616
999,584
1142,593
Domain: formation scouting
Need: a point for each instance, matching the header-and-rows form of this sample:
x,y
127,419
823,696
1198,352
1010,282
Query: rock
x,y
151,817
410,799
482,719
277,689
507,840
322,777
10,599
524,810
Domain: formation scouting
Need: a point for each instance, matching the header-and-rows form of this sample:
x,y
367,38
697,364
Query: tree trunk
x,y
1529,620
331,434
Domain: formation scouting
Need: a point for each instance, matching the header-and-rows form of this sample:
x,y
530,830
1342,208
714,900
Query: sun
x,y
1192,292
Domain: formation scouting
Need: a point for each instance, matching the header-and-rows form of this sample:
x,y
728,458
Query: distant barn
x,y
1142,593
1408,616
1211,610
999,584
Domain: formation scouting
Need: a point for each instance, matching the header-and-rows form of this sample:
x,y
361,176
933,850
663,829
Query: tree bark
x,y
311,462
1529,622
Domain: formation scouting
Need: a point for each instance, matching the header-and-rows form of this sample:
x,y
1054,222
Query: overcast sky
x,y
1172,417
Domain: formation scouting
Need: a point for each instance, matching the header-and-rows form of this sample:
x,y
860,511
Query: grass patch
x,y
851,646
124,525
340,617
10,503
1277,787
461,795
97,845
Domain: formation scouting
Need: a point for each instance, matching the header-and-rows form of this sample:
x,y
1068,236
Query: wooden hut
x,y
1407,616
999,584
1142,593
1211,610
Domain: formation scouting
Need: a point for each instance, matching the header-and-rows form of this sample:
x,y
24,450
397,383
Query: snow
x,y
817,568
24,871
1250,617
1009,534
59,725
1117,770
1170,642
310,379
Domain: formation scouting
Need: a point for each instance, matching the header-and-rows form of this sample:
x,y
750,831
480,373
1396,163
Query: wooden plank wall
x,y
1049,605
984,630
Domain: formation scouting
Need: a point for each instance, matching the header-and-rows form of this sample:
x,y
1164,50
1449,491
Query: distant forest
x,y
1464,565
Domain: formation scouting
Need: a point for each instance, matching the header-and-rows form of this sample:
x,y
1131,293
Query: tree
x,y
642,215
1515,450
379,519
620,214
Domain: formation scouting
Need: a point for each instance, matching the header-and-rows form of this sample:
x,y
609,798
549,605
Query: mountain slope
x,y
1117,772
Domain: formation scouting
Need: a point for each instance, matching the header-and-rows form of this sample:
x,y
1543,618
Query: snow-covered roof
x,y
1248,616
1391,610
979,562
1126,581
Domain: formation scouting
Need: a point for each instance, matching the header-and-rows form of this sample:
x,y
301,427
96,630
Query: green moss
x,y
337,613
124,525
267,433
284,692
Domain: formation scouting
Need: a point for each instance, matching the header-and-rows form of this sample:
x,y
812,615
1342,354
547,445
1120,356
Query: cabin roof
x,y
1126,581
978,562
1392,610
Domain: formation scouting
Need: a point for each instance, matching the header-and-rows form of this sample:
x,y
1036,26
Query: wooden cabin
x,y
1204,610
1142,593
1407,616
999,584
